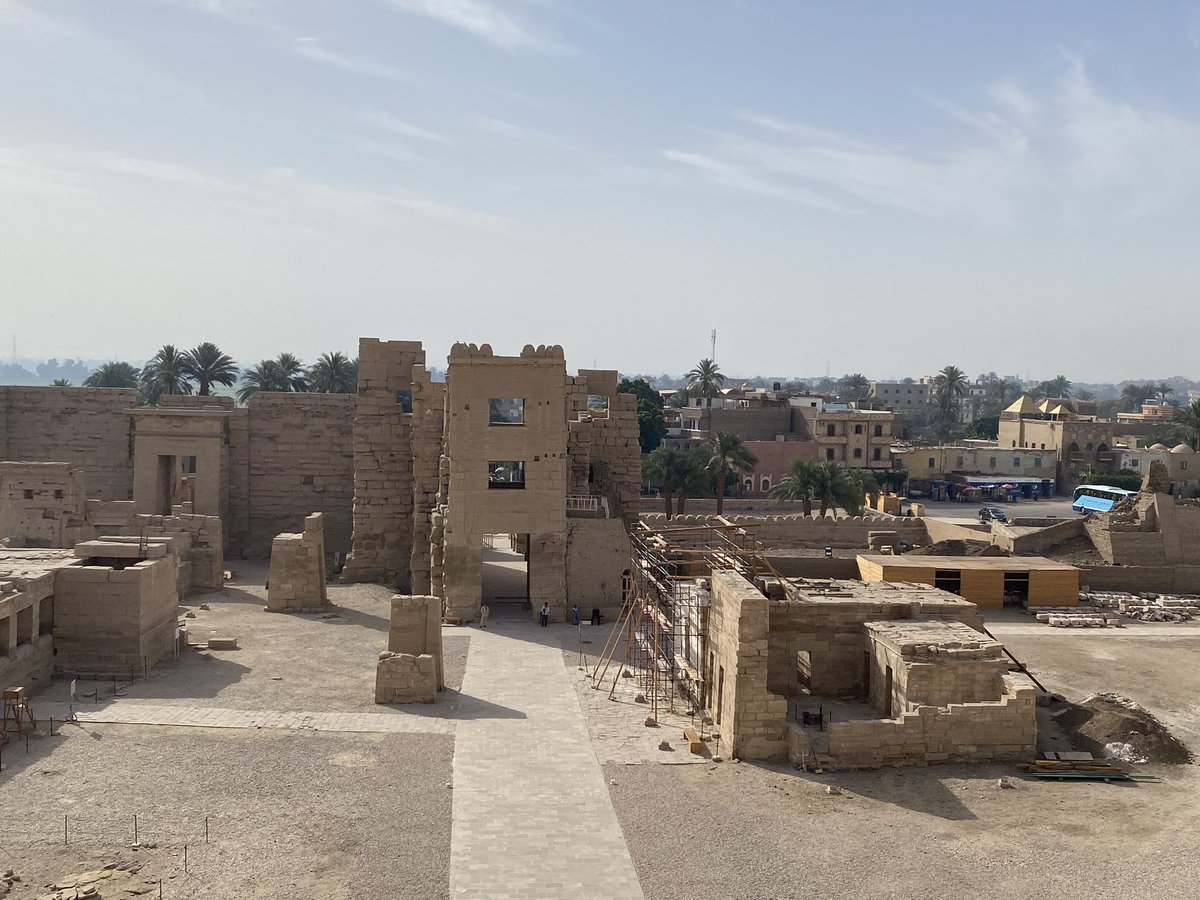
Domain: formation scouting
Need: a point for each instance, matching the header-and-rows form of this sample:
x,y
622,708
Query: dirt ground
x,y
301,814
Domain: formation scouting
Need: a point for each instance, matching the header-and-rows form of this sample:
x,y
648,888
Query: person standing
x,y
575,614
544,615
484,612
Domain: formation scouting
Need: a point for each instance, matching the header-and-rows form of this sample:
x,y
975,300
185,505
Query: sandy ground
x,y
291,813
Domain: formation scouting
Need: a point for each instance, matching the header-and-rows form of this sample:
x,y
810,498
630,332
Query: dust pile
x,y
1127,730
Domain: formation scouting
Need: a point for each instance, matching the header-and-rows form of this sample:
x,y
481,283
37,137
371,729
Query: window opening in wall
x,y
766,485
597,404
58,494
25,626
858,429
404,401
46,616
887,693
829,453
858,452
878,431
948,580
830,430
187,465
506,411
27,494
506,474
876,454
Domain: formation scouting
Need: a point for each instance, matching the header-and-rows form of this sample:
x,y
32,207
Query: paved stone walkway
x,y
214,717
532,814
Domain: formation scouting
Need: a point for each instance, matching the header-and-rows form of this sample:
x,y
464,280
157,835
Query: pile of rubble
x,y
1145,607
1076,617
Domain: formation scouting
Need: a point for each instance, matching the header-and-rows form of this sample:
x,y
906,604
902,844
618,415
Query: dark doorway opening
x,y
505,572
948,580
1016,588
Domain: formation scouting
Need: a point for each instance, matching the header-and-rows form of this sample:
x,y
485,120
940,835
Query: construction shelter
x,y
987,581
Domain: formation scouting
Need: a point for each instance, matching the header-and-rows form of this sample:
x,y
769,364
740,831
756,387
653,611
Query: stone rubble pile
x,y
1100,609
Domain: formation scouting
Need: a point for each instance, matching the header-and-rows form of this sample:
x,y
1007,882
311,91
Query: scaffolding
x,y
661,636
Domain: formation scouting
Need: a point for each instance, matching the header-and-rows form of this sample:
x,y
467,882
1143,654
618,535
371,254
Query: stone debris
x,y
1110,607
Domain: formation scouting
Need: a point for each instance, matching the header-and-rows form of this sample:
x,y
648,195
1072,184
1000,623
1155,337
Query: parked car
x,y
991,514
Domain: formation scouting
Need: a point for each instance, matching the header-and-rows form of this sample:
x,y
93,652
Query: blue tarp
x,y
1093,504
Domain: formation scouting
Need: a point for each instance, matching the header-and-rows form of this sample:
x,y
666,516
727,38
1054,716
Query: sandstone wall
x,y
301,461
597,556
751,719
83,426
811,532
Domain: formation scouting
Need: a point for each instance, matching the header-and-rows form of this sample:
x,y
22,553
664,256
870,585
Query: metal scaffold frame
x,y
661,636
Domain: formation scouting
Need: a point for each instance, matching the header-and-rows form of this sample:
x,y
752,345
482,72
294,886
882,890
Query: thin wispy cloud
x,y
310,48
514,132
388,122
482,19
1019,153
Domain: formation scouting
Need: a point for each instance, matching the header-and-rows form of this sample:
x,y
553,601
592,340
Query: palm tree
x,y
1188,419
798,484
266,376
724,454
668,465
1003,390
705,380
60,382
1056,388
207,365
1162,391
165,373
293,371
333,373
837,486
694,481
854,387
1085,396
1133,395
949,387
113,375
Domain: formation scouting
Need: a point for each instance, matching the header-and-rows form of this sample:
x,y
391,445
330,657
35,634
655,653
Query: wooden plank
x,y
695,745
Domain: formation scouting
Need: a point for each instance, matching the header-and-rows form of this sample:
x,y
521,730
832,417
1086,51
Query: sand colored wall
x,y
83,426
26,655
751,719
297,577
112,621
597,556
301,461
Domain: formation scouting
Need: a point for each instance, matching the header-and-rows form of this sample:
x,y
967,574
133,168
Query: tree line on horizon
x,y
172,371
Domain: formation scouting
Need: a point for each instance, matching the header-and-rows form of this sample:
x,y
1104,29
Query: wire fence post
x,y
64,830
185,871
206,829
135,828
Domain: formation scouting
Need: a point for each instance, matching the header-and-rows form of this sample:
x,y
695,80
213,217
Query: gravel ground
x,y
323,662
749,832
291,814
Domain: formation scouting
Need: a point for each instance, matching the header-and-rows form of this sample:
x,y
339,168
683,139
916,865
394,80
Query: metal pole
x,y
185,859
135,830
206,829
64,830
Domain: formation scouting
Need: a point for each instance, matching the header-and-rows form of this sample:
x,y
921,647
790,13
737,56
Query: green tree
x,y
113,375
165,373
1055,388
949,387
652,424
267,375
293,370
798,484
1134,394
60,382
854,387
985,427
834,485
668,466
695,480
333,373
705,380
207,365
726,455
1188,419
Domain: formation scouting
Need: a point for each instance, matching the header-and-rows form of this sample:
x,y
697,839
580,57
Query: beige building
x,y
902,396
1181,461
984,458
859,438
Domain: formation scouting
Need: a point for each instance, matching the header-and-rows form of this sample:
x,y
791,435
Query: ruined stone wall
x,y
751,719
1005,729
86,427
301,461
297,576
597,556
1037,542
112,621
1138,579
26,653
812,532
428,419
382,543
42,504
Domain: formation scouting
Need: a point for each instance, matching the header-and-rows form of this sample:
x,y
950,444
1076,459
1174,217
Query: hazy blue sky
x,y
891,187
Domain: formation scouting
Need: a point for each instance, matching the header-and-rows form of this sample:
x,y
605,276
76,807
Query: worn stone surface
x,y
297,580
